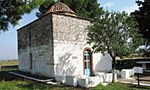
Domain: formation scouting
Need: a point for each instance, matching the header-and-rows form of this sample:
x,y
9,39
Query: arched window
x,y
87,60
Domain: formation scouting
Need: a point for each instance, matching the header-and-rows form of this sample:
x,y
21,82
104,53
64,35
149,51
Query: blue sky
x,y
8,39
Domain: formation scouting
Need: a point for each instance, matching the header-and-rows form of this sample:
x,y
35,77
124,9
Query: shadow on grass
x,y
42,86
5,75
30,85
135,87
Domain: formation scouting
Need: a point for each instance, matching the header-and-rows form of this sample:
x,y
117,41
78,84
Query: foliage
x,y
12,10
114,33
145,52
142,16
84,8
44,7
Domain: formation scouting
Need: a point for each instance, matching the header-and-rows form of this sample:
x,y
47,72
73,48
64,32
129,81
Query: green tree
x,y
115,34
142,16
84,8
44,7
12,10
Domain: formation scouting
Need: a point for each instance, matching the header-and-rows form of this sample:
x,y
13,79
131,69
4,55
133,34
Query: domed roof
x,y
61,8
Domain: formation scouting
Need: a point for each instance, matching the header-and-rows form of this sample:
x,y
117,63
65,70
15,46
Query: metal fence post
x,y
138,79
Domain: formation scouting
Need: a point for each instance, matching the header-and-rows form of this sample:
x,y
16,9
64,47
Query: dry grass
x,y
8,62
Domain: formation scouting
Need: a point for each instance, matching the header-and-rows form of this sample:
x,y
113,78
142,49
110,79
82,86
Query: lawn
x,y
120,86
11,82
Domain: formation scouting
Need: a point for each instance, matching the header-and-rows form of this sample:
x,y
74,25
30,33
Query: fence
x,y
143,77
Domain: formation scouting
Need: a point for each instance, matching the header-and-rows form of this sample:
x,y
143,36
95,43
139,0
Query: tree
x,y
142,16
115,34
12,10
84,8
44,7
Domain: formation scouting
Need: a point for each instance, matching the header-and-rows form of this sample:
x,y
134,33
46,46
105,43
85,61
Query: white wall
x,y
68,59
43,61
70,35
102,63
39,45
24,60
64,54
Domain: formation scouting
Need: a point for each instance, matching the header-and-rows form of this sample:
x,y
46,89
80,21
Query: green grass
x,y
11,82
30,85
8,62
120,86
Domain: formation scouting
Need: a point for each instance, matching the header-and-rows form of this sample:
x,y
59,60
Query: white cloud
x,y
108,4
130,9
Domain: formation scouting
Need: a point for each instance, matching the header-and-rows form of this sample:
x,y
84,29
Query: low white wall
x,y
102,63
127,73
86,81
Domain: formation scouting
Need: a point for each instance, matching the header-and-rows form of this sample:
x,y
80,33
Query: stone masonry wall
x,y
35,47
53,46
70,35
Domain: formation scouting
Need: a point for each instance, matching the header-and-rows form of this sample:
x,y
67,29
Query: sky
x,y
8,39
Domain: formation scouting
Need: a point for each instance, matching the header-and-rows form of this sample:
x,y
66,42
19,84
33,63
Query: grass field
x,y
8,62
12,82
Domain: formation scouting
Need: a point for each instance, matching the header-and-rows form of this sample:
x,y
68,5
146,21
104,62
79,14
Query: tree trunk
x,y
113,69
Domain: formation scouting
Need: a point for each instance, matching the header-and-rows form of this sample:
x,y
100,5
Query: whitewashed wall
x,y
57,45
69,39
36,39
70,35
102,63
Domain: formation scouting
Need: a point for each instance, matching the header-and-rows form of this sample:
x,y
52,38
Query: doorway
x,y
87,60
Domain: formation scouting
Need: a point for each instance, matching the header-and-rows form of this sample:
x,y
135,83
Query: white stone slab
x,y
71,80
61,79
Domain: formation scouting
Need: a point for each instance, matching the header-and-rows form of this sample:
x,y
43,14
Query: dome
x,y
61,8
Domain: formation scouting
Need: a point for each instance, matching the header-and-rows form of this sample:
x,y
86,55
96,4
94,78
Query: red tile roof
x,y
61,8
